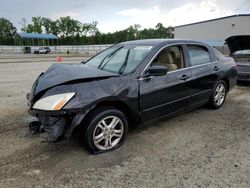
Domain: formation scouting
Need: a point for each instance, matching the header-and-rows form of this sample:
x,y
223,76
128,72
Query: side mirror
x,y
83,62
157,71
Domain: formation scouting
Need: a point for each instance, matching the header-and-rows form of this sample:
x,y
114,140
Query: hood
x,y
62,73
236,43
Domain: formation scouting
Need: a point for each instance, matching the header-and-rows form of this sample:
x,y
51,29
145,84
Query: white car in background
x,y
42,50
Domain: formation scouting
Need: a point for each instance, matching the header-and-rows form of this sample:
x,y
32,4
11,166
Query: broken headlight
x,y
53,102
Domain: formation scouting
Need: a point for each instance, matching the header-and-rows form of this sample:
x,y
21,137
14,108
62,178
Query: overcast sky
x,y
115,15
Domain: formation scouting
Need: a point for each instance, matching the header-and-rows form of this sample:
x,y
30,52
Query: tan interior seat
x,y
166,59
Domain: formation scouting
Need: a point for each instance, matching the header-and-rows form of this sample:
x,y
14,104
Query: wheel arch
x,y
226,80
133,119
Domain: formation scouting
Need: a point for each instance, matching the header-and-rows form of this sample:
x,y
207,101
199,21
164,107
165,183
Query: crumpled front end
x,y
47,115
58,102
51,126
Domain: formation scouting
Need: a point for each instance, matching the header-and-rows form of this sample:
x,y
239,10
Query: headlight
x,y
54,102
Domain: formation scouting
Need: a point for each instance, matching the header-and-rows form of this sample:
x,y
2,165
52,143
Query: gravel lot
x,y
201,148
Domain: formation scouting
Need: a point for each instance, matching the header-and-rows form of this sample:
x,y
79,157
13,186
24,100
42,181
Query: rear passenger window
x,y
199,55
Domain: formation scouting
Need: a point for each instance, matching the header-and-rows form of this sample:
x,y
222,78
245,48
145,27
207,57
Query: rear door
x,y
206,70
163,95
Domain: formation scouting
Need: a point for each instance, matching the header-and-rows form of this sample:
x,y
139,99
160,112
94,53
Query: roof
x,y
37,36
154,42
226,17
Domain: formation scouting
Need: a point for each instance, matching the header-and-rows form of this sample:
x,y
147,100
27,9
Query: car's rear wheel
x,y
219,95
106,131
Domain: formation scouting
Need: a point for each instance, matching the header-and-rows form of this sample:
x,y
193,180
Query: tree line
x,y
73,32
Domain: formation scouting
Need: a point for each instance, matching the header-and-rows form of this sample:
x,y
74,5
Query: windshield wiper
x,y
124,65
108,56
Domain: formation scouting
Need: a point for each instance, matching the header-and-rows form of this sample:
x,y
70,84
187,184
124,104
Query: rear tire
x,y
218,96
106,130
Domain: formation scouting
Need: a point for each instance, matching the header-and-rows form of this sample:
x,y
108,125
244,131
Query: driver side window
x,y
170,57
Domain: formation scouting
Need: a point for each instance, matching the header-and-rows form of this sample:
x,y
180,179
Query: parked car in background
x,y
239,47
42,50
127,85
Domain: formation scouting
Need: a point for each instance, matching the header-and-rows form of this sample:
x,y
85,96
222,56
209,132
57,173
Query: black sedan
x,y
125,86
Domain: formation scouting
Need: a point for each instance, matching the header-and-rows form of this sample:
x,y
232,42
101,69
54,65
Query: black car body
x,y
129,84
239,47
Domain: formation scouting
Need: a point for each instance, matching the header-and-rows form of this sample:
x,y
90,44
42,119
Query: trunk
x,y
236,43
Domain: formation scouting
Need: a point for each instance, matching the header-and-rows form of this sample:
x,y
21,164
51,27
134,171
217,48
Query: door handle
x,y
216,68
184,77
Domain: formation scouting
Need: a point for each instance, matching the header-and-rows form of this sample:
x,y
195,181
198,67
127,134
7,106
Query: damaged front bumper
x,y
54,125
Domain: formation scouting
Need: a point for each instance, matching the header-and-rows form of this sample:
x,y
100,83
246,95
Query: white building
x,y
215,31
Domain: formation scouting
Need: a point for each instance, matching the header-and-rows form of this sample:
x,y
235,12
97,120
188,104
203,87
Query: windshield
x,y
120,59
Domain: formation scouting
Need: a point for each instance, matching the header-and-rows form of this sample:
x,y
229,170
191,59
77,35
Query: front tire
x,y
107,130
219,95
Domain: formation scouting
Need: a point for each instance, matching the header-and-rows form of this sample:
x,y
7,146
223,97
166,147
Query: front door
x,y
163,95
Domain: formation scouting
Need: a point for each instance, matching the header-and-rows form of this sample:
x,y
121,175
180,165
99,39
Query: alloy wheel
x,y
219,95
108,132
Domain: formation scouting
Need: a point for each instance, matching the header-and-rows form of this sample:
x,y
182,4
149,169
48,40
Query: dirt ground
x,y
201,148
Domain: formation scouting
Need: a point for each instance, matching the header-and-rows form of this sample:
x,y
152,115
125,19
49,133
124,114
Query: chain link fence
x,y
85,49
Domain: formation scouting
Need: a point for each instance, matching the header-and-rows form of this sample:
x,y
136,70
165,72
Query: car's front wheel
x,y
106,131
219,95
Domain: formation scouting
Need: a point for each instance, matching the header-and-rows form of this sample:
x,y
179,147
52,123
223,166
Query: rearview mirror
x,y
157,71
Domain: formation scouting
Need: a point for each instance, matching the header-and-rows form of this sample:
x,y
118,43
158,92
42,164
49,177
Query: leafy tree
x,y
170,32
34,27
163,32
7,32
73,32
86,28
68,27
29,28
50,26
148,33
37,24
23,24
133,32
93,28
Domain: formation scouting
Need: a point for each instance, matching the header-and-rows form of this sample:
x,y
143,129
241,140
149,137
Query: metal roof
x,y
236,15
37,36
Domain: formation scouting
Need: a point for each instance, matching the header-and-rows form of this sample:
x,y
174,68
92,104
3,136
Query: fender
x,y
77,120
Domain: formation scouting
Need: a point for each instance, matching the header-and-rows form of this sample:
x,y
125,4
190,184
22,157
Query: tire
x,y
218,96
106,131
